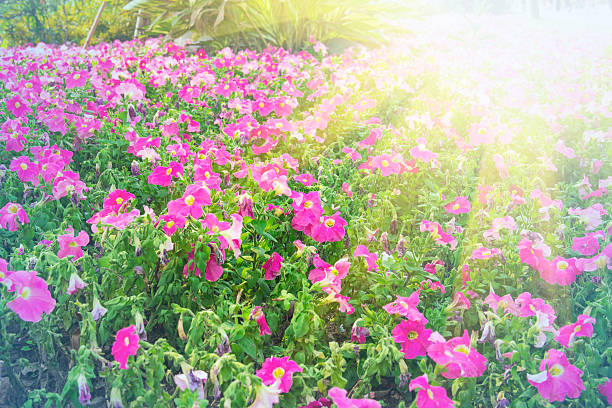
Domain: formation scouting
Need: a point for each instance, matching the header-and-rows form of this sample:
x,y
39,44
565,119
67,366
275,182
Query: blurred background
x,y
259,23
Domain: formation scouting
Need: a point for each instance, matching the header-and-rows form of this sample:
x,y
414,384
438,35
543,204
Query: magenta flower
x,y
330,229
529,306
162,176
18,107
386,165
370,258
117,200
307,209
559,379
172,223
331,276
273,266
438,234
339,398
275,369
587,245
407,307
459,358
583,327
194,198
505,303
460,205
71,245
213,226
77,79
306,179
10,214
485,253
260,319
26,169
421,152
4,271
429,396
560,271
606,390
413,337
125,345
68,183
497,225
33,296
213,269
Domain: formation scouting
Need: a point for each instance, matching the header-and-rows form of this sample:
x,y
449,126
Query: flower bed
x,y
416,224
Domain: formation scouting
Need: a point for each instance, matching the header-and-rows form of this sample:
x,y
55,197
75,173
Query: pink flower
x,y
273,266
260,319
485,253
420,152
529,306
559,379
459,358
429,396
370,258
68,183
347,190
331,276
212,224
330,229
194,198
386,165
497,225
71,245
4,272
438,234
560,271
407,307
582,328
33,296
26,170
125,345
306,179
564,150
413,337
77,79
230,238
505,303
213,269
274,369
461,205
587,245
18,107
606,390
172,223
10,214
75,284
339,398
117,200
307,209
162,176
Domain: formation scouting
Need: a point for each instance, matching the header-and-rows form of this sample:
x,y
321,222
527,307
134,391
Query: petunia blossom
x,y
71,245
583,327
558,378
12,213
429,396
125,345
339,398
282,369
33,296
459,205
273,266
260,318
413,338
458,357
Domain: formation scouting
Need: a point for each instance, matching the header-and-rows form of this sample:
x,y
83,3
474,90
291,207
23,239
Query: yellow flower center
x,y
189,200
330,223
72,244
76,76
169,224
168,172
462,348
28,85
17,104
486,253
215,229
261,104
456,206
25,293
562,265
384,163
201,156
189,90
278,372
430,394
556,370
577,328
126,341
308,204
119,200
226,87
15,135
23,166
207,174
503,304
482,131
412,335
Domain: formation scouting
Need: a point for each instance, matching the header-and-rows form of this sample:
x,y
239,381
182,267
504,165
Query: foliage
x,y
383,143
258,23
61,21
